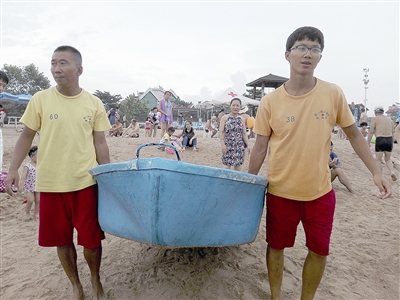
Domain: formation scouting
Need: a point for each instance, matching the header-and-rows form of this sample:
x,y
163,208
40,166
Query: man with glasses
x,y
295,123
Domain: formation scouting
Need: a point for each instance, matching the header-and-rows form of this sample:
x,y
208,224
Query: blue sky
x,y
199,49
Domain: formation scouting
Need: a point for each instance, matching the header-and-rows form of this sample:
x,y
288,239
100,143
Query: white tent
x,y
229,94
205,104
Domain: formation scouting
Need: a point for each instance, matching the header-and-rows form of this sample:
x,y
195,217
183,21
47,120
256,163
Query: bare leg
x,y
378,159
30,197
155,130
337,172
275,260
93,259
313,270
389,164
67,256
239,168
163,129
36,208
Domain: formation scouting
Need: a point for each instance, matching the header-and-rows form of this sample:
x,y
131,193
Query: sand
x,y
363,264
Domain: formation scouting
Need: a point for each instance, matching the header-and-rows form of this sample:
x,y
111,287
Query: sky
x,y
200,48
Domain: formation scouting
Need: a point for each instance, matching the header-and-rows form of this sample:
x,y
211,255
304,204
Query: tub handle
x,y
157,144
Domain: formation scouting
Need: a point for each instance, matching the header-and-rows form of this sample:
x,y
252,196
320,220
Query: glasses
x,y
303,50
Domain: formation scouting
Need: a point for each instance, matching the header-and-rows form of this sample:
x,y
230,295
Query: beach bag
x,y
3,176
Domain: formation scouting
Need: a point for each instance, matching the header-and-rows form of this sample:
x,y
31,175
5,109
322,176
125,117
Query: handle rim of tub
x,y
155,144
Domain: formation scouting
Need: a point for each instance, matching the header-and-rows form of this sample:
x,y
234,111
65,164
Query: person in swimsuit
x,y
382,128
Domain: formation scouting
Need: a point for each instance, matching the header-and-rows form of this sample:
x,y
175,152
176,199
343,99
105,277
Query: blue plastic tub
x,y
175,204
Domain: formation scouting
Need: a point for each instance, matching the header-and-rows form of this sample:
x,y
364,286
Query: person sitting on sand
x,y
336,171
166,138
214,126
132,130
189,136
116,129
207,129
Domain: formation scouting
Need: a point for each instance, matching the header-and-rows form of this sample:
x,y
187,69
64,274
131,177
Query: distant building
x,y
153,95
392,112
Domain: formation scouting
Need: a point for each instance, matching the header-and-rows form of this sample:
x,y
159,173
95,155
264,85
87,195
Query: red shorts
x,y
60,213
284,215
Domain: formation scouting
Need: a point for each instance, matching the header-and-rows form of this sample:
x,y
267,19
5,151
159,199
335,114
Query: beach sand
x,y
363,263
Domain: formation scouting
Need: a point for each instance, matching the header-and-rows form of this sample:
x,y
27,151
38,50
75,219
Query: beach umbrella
x,y
24,98
19,99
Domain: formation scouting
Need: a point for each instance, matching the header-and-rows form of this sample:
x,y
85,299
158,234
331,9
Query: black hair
x,y
363,124
4,77
303,33
72,50
155,107
32,150
167,92
240,101
172,129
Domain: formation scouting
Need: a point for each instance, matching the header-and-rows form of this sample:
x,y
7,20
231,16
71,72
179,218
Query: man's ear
x,y
287,53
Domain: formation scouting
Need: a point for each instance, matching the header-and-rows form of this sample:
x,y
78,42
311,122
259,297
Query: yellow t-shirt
x,y
66,151
300,129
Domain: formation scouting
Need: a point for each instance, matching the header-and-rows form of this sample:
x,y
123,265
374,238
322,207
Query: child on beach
x,y
169,139
363,129
27,184
166,137
147,127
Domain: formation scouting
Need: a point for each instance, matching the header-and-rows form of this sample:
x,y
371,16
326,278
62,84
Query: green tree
x,y
108,99
250,94
132,108
181,103
23,80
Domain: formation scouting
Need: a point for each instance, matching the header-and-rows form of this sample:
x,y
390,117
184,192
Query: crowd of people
x,y
70,202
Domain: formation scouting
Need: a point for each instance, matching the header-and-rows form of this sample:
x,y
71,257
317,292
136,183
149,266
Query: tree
x,y
108,99
134,109
181,103
23,80
250,94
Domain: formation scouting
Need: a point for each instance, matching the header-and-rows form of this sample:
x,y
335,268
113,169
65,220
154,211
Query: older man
x,y
382,127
